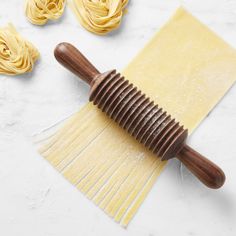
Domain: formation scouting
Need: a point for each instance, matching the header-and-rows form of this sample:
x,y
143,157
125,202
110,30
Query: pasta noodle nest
x,y
39,12
17,55
99,16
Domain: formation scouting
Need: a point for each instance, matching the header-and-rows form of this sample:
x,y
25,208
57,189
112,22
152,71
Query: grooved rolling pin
x,y
141,118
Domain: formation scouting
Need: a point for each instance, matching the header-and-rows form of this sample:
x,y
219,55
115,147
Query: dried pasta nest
x,y
39,12
99,16
17,55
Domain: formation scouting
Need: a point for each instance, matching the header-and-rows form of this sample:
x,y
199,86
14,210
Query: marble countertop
x,y
36,200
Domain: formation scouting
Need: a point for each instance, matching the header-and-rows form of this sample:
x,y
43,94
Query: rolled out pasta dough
x,y
186,69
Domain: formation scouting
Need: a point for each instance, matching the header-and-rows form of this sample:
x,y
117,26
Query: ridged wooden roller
x,y
139,116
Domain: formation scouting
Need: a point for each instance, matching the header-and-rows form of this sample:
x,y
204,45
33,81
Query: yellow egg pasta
x,y
99,16
39,12
17,55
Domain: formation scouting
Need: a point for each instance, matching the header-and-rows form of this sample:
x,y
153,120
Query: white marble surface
x,y
36,200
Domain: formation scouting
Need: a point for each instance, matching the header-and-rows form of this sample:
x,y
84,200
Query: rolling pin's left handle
x,y
71,58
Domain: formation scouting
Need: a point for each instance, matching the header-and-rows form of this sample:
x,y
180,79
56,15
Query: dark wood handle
x,y
205,170
71,58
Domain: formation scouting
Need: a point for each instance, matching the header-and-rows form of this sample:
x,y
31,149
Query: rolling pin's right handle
x,y
206,171
71,58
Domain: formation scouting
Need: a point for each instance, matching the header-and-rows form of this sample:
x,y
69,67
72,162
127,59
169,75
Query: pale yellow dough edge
x,y
186,69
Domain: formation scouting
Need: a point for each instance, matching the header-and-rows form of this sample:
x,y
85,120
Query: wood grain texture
x,y
205,170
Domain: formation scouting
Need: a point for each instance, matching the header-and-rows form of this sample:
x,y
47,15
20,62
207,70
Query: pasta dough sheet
x,y
186,69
